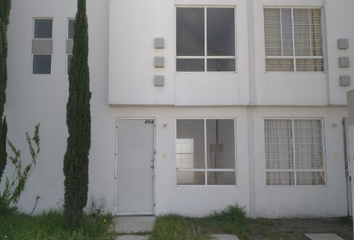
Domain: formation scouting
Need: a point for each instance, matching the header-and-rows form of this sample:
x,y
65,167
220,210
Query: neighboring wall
x,y
33,99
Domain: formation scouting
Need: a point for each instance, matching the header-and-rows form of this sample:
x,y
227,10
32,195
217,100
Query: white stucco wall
x,y
304,201
121,35
306,89
131,43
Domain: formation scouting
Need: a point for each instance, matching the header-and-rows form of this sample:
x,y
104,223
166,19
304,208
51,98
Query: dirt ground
x,y
294,229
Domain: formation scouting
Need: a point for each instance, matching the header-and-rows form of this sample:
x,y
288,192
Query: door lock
x,y
152,166
152,159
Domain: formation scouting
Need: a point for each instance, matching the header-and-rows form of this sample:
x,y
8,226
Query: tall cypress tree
x,y
78,121
5,6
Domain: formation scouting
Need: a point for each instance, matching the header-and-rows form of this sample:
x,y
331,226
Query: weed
x,y
52,225
346,220
231,220
175,227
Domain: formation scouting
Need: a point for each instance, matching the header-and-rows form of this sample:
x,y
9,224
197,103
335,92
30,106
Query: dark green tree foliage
x,y
5,6
78,121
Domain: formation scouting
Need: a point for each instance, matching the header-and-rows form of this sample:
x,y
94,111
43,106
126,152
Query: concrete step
x,y
133,224
132,237
323,236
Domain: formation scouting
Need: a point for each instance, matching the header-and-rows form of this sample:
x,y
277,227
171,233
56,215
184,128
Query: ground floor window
x,y
205,152
294,152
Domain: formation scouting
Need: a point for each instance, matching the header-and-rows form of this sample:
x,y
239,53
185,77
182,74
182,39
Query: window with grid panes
x,y
42,30
205,39
70,36
293,39
205,152
294,152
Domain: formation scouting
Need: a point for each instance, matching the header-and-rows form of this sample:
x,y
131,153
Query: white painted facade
x,y
121,60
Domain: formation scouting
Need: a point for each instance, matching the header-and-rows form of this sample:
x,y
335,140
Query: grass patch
x,y
231,220
52,225
175,227
346,220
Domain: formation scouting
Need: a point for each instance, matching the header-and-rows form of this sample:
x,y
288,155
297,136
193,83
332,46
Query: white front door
x,y
135,167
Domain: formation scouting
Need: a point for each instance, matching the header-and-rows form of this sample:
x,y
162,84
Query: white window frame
x,y
33,27
295,170
206,57
294,57
206,170
33,38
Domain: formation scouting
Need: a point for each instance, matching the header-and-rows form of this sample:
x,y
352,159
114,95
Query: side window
x,y
293,39
205,39
205,152
42,46
69,43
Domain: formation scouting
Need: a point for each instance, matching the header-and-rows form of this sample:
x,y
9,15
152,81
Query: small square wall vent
x,y
159,81
344,81
159,62
343,44
159,43
344,62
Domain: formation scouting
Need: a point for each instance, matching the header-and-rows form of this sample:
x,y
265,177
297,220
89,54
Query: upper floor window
x,y
42,46
293,39
205,39
69,43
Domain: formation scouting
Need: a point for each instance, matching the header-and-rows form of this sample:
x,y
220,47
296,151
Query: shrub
x,y
14,187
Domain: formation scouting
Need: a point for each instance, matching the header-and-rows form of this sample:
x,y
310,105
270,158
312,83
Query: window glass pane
x,y
70,56
221,178
302,32
193,131
278,140
310,178
190,178
287,32
309,65
42,64
221,32
215,65
43,28
316,32
71,29
280,178
185,153
272,32
308,144
190,32
220,143
279,65
190,65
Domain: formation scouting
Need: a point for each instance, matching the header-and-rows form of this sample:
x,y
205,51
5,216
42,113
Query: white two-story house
x,y
195,104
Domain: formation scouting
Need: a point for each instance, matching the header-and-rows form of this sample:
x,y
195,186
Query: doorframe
x,y
116,168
